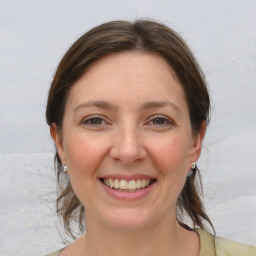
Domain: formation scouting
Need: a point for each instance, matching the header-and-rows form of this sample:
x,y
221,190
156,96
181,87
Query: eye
x,y
94,121
160,121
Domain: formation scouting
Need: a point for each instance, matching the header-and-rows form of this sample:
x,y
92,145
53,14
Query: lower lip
x,y
128,196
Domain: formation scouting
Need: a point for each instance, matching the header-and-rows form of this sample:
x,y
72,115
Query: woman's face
x,y
127,140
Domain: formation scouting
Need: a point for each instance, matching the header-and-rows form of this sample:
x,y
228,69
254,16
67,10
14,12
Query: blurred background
x,y
34,35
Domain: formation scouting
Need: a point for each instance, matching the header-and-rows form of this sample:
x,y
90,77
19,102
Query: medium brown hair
x,y
119,36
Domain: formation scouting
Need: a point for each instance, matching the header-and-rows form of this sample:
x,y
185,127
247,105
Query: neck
x,y
163,238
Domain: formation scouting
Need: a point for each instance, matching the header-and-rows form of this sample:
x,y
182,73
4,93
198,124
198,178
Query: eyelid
x,y
165,118
90,117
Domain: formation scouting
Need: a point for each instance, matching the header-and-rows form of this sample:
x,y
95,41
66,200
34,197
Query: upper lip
x,y
127,177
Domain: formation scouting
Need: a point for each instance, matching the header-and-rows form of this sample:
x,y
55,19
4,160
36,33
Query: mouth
x,y
131,186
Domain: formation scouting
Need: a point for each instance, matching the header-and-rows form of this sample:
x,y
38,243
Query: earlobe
x,y
57,138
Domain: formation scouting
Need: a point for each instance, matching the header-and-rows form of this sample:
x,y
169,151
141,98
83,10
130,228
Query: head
x,y
142,37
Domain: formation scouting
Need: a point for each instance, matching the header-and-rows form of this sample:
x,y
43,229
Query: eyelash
x,y
165,121
89,119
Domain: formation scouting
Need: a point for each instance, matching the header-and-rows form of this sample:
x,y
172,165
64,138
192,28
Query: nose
x,y
128,146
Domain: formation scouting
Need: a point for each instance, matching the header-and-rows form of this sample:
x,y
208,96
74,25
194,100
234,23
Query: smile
x,y
122,185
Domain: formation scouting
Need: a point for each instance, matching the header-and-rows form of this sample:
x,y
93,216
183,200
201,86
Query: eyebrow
x,y
98,104
145,106
158,104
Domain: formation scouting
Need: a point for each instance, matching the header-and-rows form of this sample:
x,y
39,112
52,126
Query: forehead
x,y
128,77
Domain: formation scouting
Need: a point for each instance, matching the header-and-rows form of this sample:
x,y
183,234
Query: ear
x,y
196,146
56,136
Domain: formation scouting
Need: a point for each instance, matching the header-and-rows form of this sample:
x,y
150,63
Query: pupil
x,y
159,121
96,121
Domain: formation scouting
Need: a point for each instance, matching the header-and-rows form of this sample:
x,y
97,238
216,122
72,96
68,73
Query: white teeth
x,y
138,184
110,181
143,183
131,185
116,184
124,184
107,182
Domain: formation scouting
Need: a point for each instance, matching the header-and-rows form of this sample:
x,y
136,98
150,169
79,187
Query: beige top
x,y
212,246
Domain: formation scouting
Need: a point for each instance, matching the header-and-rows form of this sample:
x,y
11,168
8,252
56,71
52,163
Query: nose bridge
x,y
128,145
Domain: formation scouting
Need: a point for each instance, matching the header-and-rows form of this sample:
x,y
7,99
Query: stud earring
x,y
65,168
193,167
192,170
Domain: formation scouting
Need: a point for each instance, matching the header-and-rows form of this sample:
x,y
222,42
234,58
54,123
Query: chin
x,y
129,220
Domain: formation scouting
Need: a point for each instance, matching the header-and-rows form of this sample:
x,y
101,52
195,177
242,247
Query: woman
x,y
128,109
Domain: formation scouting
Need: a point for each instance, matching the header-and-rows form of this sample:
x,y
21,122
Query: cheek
x,y
170,157
170,154
83,154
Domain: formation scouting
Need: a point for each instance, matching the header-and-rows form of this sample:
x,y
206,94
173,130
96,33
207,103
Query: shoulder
x,y
226,247
222,246
56,253
206,243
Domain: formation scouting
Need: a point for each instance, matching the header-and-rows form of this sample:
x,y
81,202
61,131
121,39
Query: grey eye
x,y
160,121
94,121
